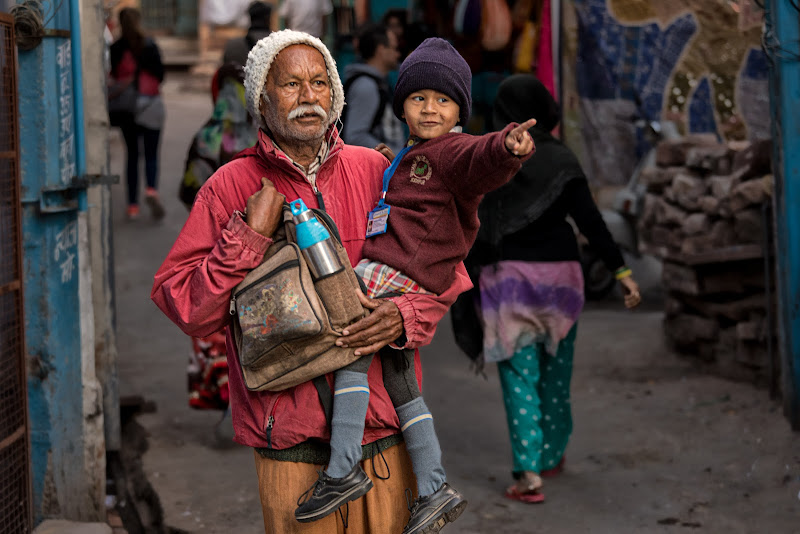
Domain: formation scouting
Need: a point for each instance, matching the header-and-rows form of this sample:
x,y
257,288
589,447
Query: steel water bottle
x,y
315,241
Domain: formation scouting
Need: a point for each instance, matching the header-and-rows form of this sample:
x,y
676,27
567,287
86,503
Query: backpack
x,y
383,90
285,324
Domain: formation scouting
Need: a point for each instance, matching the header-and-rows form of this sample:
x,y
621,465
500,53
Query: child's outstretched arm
x,y
518,141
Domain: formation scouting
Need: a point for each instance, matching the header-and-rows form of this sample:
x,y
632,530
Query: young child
x,y
421,229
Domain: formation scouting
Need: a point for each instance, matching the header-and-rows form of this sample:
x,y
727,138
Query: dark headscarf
x,y
517,204
543,177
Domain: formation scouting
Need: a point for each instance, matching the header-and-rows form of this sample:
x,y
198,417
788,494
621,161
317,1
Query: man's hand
x,y
265,209
376,330
518,141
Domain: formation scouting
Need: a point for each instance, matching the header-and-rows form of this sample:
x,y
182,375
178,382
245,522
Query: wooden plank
x,y
732,310
720,255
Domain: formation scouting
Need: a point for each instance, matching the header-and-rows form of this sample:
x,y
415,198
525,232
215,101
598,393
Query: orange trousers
x,y
383,510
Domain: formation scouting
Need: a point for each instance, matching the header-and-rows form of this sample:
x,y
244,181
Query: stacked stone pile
x,y
706,215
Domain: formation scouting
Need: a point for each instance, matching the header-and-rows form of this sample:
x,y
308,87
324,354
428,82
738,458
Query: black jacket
x,y
149,59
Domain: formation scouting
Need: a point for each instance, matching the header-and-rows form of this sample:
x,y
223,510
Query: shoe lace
x,y
411,502
345,517
315,488
378,451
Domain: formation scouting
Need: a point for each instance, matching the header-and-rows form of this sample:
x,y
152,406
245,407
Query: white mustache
x,y
305,109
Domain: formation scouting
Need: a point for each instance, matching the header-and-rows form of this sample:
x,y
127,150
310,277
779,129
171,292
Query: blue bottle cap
x,y
297,206
310,231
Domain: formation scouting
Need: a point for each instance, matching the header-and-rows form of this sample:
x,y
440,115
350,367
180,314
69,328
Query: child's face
x,y
430,113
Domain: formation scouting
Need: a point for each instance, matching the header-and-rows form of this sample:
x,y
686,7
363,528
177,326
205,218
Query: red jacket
x,y
434,196
216,249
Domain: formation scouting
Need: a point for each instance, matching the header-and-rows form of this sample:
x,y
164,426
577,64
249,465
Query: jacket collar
x,y
269,151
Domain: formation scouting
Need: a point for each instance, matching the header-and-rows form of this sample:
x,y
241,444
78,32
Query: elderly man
x,y
294,93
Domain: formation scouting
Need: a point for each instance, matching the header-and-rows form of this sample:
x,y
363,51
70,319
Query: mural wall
x,y
698,63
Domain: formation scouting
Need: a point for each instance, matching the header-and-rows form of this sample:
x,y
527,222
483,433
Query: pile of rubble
x,y
707,216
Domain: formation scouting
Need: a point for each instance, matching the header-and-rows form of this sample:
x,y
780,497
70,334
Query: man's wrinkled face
x,y
297,103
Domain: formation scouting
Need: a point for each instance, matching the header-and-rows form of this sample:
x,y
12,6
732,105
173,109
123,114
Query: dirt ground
x,y
657,447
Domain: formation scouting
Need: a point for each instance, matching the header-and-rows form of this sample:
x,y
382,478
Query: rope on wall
x,y
29,23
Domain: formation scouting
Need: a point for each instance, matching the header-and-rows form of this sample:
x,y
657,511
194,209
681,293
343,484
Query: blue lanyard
x,y
388,173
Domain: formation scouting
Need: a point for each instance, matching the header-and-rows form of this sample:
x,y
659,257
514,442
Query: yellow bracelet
x,y
623,272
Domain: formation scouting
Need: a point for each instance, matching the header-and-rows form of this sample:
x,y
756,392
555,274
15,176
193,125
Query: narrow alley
x,y
658,447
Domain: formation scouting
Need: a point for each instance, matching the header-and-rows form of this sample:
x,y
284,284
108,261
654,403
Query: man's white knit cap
x,y
260,59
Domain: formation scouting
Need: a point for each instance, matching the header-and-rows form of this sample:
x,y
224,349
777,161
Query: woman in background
x,y
136,67
529,286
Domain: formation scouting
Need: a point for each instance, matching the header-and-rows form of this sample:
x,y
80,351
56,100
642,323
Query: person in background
x,y
529,286
236,50
228,131
367,119
294,94
308,16
136,60
395,21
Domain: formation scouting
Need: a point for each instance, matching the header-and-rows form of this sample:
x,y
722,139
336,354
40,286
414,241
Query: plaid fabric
x,y
380,279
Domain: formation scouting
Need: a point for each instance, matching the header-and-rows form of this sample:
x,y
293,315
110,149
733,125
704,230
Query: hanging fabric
x,y
496,25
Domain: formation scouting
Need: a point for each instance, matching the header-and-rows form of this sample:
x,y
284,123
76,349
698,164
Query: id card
x,y
378,220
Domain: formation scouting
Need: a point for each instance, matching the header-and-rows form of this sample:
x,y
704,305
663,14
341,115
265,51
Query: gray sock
x,y
422,445
350,401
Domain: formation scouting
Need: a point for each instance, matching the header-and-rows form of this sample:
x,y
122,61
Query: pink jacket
x,y
216,249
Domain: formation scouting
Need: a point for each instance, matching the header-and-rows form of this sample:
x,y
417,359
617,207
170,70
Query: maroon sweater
x,y
434,196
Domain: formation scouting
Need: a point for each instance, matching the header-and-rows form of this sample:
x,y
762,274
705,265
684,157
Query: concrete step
x,y
61,526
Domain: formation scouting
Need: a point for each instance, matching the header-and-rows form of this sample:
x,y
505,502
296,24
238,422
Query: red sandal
x,y
557,470
530,497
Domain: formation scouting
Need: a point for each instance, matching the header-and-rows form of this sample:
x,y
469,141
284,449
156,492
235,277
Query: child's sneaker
x,y
328,494
132,211
156,209
431,513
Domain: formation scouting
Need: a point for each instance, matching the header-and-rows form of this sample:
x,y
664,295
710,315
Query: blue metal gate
x,y
15,481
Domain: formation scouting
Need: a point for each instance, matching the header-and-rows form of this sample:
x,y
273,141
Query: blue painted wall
x,y
50,245
783,36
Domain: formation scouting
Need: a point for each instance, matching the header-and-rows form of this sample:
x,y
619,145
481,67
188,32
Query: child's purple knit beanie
x,y
436,65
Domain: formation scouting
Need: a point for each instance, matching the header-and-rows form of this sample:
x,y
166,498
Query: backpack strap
x,y
325,396
383,92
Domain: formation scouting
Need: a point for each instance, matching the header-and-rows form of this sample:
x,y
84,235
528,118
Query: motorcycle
x,y
623,216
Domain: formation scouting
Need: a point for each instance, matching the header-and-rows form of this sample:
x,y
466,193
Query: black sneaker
x,y
431,513
328,494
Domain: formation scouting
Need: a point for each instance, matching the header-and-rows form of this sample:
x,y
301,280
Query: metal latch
x,y
59,198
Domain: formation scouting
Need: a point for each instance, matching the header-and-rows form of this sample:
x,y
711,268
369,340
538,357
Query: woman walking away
x,y
531,286
136,106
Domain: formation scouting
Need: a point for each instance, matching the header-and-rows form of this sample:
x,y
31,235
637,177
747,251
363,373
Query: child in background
x,y
421,229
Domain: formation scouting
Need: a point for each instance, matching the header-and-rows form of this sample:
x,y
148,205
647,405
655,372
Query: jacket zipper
x,y
271,419
283,267
318,194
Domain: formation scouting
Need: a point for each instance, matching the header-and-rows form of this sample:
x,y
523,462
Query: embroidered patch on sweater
x,y
420,170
